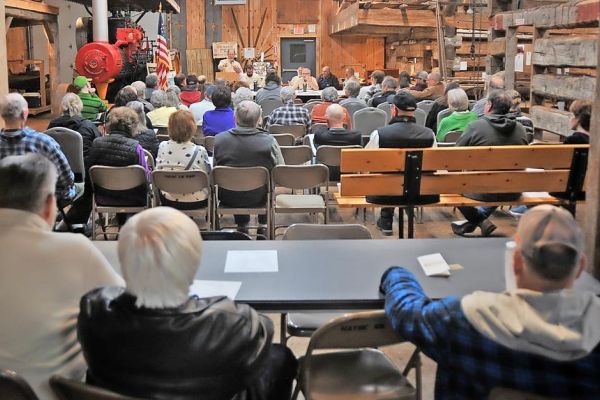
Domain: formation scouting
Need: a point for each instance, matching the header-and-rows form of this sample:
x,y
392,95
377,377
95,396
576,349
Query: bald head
x,y
335,116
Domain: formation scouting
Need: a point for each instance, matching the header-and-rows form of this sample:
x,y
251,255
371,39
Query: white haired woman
x,y
154,340
329,96
71,106
162,109
460,118
144,135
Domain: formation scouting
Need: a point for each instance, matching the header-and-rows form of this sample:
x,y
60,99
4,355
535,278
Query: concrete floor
x,y
435,224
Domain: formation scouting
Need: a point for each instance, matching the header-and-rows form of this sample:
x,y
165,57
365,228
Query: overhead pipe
x,y
100,17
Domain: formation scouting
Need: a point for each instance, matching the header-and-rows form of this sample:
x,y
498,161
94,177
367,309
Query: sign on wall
x,y
220,49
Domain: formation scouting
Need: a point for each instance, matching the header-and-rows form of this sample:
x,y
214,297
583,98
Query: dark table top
x,y
345,274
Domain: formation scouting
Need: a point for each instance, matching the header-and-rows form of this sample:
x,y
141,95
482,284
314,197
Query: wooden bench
x,y
451,171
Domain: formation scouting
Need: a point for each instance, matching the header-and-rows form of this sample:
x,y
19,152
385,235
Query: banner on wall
x,y
220,49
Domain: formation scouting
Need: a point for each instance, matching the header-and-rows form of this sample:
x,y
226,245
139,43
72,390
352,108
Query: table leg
x,y
400,223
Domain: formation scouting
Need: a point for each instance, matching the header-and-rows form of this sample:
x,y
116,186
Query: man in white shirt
x,y
43,275
298,82
198,109
229,64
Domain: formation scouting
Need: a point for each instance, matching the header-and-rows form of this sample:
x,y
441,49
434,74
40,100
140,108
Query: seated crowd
x,y
141,333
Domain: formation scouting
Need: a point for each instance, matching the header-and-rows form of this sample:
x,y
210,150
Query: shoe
x,y
487,227
462,227
385,226
262,231
243,228
518,212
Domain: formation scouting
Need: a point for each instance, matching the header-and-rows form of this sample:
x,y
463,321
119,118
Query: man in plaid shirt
x,y
541,337
289,113
17,139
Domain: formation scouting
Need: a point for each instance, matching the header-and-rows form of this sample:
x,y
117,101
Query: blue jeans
x,y
476,215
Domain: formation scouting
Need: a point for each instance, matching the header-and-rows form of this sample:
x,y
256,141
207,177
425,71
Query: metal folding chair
x,y
15,387
296,155
69,389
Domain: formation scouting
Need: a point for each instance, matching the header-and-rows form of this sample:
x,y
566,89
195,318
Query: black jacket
x,y
384,97
337,137
148,141
207,348
115,150
85,127
332,81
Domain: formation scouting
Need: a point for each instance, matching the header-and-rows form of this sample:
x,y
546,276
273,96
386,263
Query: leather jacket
x,y
207,348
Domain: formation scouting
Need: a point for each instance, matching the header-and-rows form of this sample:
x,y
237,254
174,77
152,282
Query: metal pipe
x,y
100,18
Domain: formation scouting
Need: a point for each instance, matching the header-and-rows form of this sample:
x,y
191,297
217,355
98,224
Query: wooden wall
x,y
3,58
361,52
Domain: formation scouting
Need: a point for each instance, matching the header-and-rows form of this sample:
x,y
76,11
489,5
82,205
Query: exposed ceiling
x,y
169,6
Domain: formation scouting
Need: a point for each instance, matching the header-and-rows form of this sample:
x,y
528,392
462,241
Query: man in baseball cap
x,y
401,132
541,338
421,83
92,104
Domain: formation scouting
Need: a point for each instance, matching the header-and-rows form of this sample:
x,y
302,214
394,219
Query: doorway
x,y
297,53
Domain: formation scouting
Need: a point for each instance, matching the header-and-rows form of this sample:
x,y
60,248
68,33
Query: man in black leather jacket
x,y
153,340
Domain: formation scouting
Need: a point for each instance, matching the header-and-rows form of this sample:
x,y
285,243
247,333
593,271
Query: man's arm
x,y
336,82
312,83
427,92
418,319
276,154
373,141
222,65
66,178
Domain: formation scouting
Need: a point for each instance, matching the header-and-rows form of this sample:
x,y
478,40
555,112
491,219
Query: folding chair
x,y
183,182
268,106
499,393
209,144
452,136
330,156
425,105
298,130
420,116
296,155
352,107
241,179
310,105
150,160
443,114
300,177
368,119
161,130
284,139
319,126
387,107
71,144
69,389
163,138
361,371
15,387
117,180
224,235
305,324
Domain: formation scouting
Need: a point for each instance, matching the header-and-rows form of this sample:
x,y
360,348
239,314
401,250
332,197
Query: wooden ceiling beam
x,y
32,6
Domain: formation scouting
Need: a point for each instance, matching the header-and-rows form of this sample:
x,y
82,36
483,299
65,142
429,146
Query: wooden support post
x,y
538,33
509,58
592,212
51,30
8,22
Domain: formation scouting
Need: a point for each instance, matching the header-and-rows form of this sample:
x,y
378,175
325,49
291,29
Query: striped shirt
x,y
26,140
92,106
290,114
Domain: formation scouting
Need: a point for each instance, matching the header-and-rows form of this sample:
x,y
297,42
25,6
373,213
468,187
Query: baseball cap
x,y
80,82
405,101
422,75
192,80
550,236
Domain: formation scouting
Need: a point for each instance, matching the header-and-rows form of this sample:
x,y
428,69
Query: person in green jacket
x,y
92,104
460,118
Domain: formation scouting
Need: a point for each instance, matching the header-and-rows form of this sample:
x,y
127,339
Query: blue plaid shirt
x,y
26,140
471,365
290,114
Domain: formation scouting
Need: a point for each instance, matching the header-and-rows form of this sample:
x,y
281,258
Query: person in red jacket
x,y
190,93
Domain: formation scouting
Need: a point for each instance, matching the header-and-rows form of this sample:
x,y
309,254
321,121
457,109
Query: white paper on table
x,y
434,265
251,261
202,288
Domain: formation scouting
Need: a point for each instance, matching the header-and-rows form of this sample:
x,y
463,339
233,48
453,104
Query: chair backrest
x,y
472,104
319,126
296,155
240,179
362,329
353,107
368,119
163,138
14,387
180,182
443,114
420,116
425,105
297,130
452,136
300,176
330,155
326,232
387,107
551,169
69,389
224,235
209,143
309,106
162,130
284,139
269,105
150,160
298,101
118,178
71,144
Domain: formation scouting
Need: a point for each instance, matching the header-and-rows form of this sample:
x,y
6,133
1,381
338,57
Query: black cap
x,y
405,101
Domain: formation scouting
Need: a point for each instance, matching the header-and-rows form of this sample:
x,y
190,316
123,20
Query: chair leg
x,y
283,329
64,217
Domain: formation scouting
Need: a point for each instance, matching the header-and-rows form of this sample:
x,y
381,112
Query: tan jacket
x,y
229,66
43,275
297,83
430,93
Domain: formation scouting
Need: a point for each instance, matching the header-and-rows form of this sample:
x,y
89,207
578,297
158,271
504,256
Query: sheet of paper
x,y
203,288
434,265
519,60
251,261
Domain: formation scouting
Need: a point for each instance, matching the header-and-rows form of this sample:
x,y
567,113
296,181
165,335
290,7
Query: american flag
x,y
162,56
